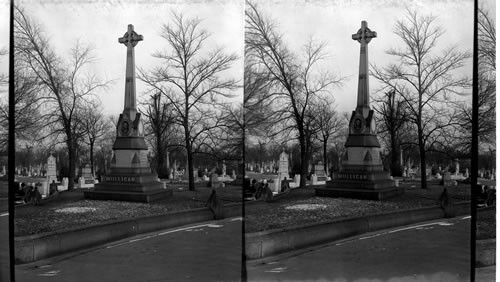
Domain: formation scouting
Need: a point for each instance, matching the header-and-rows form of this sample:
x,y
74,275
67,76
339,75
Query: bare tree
x,y
393,116
329,124
65,87
258,100
4,106
192,79
295,82
424,79
486,40
160,127
94,125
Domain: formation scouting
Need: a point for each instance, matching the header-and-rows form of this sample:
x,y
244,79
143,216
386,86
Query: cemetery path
x,y
4,240
430,251
4,245
208,251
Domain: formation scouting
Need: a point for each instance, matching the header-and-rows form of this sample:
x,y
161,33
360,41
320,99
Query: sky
x,y
99,25
333,22
4,37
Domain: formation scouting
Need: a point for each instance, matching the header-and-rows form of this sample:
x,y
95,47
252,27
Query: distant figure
x,y
52,187
446,203
284,185
36,197
253,187
268,193
215,205
490,196
258,189
27,189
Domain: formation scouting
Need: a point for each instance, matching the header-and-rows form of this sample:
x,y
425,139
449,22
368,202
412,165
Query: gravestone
x,y
362,175
87,174
319,171
457,167
296,181
283,166
51,169
466,173
130,177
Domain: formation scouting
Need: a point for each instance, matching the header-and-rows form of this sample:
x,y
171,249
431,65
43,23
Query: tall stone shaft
x,y
130,39
129,176
362,174
363,36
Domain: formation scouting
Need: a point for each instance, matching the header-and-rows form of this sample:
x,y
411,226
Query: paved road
x,y
431,251
209,251
4,241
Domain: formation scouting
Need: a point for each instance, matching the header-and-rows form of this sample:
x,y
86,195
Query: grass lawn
x,y
302,207
72,210
4,190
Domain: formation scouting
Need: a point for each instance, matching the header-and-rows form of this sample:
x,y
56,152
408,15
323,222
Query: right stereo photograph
x,y
369,141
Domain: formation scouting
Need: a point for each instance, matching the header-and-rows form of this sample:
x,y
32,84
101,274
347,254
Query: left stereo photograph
x,y
128,140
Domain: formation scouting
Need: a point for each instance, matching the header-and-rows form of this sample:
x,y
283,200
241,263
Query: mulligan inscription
x,y
352,176
119,178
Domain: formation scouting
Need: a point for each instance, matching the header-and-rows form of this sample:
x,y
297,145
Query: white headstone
x,y
283,166
51,169
296,179
65,182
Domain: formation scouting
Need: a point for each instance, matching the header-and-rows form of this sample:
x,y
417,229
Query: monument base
x,y
367,185
132,188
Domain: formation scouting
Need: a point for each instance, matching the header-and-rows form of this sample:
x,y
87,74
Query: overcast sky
x,y
335,21
331,21
4,35
100,25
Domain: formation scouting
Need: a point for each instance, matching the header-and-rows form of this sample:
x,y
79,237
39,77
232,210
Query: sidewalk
x,y
486,274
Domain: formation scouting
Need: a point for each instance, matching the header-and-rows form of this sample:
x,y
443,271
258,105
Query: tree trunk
x,y
92,158
421,146
189,151
303,162
395,164
325,165
190,168
160,159
71,159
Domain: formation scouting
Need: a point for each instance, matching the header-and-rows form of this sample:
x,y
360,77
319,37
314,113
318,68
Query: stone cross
x,y
130,39
363,36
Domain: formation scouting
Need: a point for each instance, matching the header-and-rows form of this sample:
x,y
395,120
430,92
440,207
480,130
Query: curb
x,y
35,247
272,242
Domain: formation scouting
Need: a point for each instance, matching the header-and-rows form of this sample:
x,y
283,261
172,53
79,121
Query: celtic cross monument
x,y
130,177
362,174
